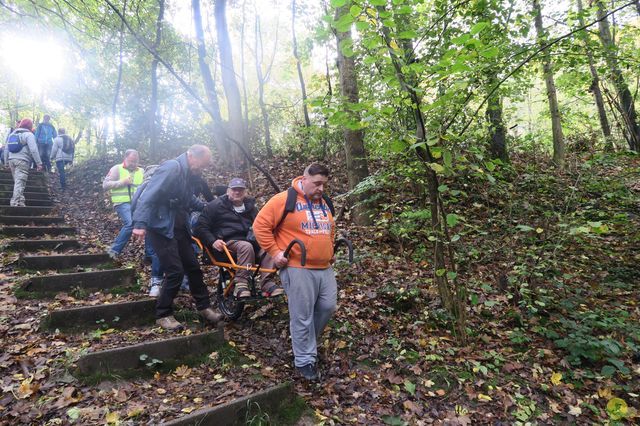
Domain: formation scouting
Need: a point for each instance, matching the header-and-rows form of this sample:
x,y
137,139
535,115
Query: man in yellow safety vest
x,y
122,181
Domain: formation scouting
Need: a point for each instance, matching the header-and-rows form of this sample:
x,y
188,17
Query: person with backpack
x,y
21,150
62,153
160,213
305,213
122,181
226,221
45,133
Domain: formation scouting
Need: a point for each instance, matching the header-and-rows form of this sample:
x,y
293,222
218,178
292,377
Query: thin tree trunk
x,y
231,90
116,95
629,116
552,96
497,130
245,127
454,305
356,156
303,89
154,123
261,82
595,82
210,87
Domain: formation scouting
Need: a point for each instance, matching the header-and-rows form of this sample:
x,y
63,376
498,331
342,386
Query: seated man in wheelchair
x,y
226,221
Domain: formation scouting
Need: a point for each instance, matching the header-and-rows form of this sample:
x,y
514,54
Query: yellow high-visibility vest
x,y
124,194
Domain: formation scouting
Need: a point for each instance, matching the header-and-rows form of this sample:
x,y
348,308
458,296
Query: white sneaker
x,y
154,291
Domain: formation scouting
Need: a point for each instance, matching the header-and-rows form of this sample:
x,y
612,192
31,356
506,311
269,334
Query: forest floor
x,y
550,265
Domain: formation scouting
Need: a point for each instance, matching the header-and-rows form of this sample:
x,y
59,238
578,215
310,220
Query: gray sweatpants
x,y
312,295
20,173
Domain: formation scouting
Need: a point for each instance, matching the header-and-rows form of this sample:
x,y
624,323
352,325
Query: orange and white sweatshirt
x,y
313,225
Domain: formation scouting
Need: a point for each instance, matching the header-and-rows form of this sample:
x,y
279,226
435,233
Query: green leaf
x,y
491,52
478,27
378,2
524,228
455,238
443,188
436,167
441,272
362,25
608,370
73,413
447,158
355,10
452,219
460,40
451,275
338,3
410,387
346,47
407,35
393,421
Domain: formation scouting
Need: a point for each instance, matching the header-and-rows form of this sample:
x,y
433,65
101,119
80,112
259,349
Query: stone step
x,y
35,245
30,220
35,173
31,187
63,261
116,315
95,280
25,211
169,350
4,202
27,195
7,178
36,231
270,401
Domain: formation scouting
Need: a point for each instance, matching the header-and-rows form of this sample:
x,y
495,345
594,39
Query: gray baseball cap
x,y
237,183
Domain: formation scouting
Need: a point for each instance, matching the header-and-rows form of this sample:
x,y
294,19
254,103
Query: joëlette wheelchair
x,y
230,305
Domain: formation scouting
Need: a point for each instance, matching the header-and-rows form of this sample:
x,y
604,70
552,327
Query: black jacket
x,y
219,221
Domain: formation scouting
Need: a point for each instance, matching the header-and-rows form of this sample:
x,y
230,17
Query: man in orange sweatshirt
x,y
311,289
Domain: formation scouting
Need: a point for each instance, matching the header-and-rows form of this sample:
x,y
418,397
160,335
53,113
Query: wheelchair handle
x,y
344,242
303,250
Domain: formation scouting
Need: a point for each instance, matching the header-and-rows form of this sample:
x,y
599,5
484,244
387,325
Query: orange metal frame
x,y
232,266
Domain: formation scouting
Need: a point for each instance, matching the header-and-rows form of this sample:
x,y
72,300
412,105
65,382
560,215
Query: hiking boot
x,y
112,254
185,285
169,323
211,316
156,285
309,372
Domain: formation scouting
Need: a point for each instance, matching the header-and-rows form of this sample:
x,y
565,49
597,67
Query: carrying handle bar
x,y
303,250
344,242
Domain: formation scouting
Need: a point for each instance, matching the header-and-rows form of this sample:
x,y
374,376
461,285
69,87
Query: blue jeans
x,y
124,213
63,179
44,149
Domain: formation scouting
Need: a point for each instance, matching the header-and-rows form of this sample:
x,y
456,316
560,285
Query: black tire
x,y
229,306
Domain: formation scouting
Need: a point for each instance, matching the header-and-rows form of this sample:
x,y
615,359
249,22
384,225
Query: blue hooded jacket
x,y
45,133
167,194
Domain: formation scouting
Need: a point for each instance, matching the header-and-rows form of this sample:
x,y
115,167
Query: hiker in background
x,y
122,181
161,214
20,152
45,133
62,153
3,146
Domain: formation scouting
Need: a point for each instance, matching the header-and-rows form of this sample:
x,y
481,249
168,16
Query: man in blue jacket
x,y
45,133
160,211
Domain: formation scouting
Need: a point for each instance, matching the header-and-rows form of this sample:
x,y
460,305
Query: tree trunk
x,y
356,156
303,89
552,96
231,90
453,297
245,127
627,107
219,138
595,82
497,131
116,94
154,123
261,82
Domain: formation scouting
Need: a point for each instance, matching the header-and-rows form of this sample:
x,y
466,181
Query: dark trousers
x,y
63,179
177,258
44,149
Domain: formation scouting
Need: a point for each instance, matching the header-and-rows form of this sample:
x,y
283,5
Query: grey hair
x,y
129,152
198,151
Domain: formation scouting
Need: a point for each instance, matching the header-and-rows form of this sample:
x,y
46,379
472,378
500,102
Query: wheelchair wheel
x,y
229,306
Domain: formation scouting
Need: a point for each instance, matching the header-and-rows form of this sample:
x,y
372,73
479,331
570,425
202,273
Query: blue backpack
x,y
14,144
